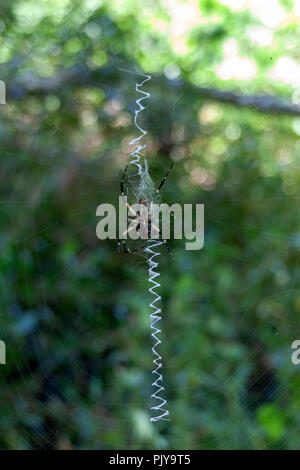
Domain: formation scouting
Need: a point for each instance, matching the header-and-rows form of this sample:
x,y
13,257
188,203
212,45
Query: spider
x,y
135,216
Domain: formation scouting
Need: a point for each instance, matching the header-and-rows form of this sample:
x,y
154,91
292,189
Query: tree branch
x,y
111,76
261,103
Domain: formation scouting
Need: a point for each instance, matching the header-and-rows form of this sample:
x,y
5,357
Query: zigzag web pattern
x,y
146,189
155,317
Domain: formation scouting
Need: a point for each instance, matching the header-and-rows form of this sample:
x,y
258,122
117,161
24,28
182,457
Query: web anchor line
x,y
155,317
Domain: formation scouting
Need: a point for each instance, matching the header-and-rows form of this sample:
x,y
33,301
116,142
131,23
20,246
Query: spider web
x,y
144,188
57,395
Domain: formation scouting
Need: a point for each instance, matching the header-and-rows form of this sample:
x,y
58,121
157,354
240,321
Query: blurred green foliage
x,y
74,314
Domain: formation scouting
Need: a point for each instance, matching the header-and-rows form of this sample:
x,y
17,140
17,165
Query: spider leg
x,y
167,245
136,250
163,180
160,234
134,227
156,228
144,246
126,249
121,240
129,207
122,181
168,248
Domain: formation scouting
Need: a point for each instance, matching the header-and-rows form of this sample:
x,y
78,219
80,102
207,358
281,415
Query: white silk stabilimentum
x,y
155,317
146,189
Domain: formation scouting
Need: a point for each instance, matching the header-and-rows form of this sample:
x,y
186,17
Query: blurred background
x,y
225,107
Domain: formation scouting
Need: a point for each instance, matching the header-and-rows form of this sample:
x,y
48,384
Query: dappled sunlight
x,y
234,66
269,12
260,35
286,70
